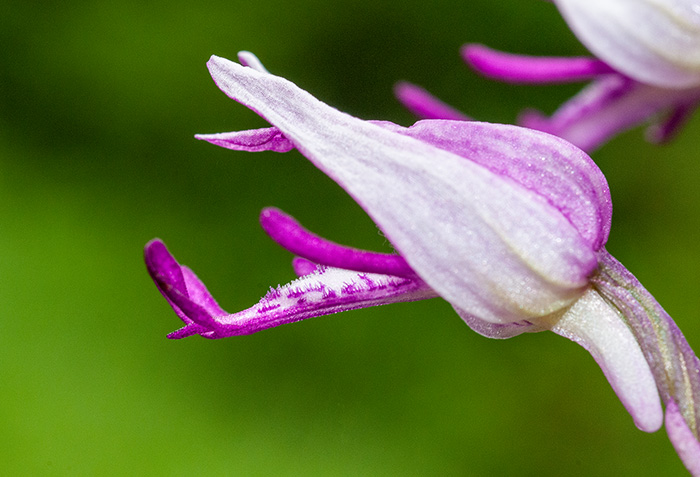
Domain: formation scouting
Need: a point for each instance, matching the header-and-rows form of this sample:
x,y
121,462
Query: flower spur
x,y
506,224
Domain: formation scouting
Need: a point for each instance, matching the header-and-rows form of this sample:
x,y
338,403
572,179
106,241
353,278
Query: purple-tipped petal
x,y
565,176
649,65
254,140
601,329
682,438
287,232
425,105
181,301
514,68
505,253
656,42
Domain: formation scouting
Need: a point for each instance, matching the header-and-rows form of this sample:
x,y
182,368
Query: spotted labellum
x,y
647,67
505,223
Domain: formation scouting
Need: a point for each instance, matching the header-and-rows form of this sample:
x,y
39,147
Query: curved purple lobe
x,y
514,68
185,293
287,232
162,267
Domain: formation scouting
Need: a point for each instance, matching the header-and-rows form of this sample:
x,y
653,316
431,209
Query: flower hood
x,y
504,221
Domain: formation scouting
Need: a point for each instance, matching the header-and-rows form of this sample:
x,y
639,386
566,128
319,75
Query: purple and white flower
x,y
505,223
647,68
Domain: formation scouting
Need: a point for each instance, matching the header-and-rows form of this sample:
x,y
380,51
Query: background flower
x,y
99,105
647,70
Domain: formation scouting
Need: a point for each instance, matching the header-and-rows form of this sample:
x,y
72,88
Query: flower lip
x,y
319,291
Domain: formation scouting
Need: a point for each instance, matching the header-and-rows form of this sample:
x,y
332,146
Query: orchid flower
x,y
505,223
647,67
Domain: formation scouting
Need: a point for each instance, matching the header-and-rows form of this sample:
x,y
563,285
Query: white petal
x,y
653,41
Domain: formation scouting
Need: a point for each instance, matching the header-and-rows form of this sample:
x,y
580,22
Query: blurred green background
x,y
99,105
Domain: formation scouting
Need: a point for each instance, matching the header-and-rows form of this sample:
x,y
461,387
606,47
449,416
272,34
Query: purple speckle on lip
x,y
268,307
329,294
349,289
294,292
273,294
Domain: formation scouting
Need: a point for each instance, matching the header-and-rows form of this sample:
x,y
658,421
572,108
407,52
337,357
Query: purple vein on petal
x,y
287,232
531,69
